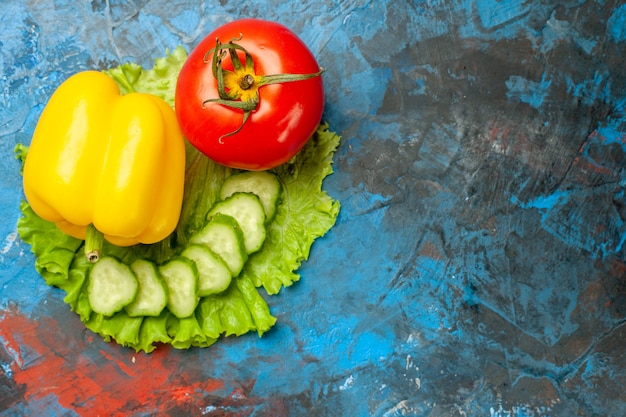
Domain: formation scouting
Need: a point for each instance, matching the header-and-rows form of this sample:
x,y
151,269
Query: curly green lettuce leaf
x,y
160,80
54,249
306,213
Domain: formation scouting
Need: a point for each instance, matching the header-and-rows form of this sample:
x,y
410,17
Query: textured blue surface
x,y
478,265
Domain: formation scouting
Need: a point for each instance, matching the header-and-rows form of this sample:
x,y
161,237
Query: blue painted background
x,y
478,265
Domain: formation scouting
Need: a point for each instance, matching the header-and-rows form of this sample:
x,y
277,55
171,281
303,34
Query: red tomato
x,y
287,113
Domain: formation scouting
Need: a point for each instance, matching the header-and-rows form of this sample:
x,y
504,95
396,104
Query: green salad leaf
x,y
305,213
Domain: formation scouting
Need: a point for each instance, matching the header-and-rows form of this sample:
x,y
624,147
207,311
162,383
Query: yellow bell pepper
x,y
104,161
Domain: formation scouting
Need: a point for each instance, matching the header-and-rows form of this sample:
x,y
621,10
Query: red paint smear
x,y
91,383
587,165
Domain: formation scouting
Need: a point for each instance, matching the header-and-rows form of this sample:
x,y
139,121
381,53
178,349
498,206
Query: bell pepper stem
x,y
93,244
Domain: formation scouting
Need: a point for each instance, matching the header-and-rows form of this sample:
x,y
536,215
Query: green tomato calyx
x,y
239,88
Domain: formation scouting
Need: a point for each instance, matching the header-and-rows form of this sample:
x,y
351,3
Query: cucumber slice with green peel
x,y
247,210
214,276
262,183
112,285
151,297
222,234
181,278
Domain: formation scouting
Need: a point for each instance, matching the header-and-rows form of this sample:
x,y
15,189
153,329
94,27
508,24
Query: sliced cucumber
x,y
181,277
112,285
151,297
214,276
222,234
262,183
247,210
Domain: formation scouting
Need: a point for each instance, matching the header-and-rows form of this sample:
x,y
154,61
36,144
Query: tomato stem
x,y
238,89
246,82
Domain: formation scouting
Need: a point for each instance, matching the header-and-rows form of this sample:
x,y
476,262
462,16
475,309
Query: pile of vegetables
x,y
160,240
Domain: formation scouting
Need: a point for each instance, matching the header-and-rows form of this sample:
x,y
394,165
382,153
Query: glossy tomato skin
x,y
287,114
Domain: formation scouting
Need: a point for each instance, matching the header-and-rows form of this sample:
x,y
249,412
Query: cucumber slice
x,y
214,276
247,210
151,298
112,285
181,278
222,234
262,183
